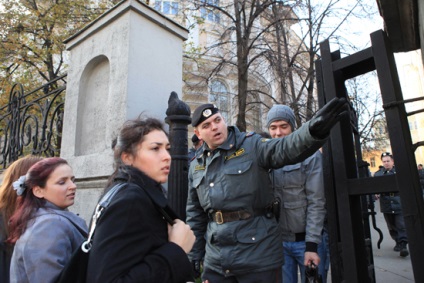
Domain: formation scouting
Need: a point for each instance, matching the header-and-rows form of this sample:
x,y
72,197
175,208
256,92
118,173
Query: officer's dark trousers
x,y
270,276
396,225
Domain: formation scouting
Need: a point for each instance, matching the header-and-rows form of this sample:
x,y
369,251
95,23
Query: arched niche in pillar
x,y
92,111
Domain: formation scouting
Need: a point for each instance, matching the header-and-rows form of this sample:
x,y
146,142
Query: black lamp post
x,y
178,118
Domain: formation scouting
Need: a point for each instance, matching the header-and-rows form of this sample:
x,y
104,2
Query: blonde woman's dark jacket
x,y
235,178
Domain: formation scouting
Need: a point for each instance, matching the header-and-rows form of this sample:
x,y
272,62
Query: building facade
x,y
211,71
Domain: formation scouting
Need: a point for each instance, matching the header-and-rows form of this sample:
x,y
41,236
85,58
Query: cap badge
x,y
207,113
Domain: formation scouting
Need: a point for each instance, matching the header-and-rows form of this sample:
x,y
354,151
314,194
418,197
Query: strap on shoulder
x,y
107,198
103,203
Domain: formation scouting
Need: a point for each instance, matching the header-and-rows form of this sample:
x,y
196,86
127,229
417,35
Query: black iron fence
x,y
31,123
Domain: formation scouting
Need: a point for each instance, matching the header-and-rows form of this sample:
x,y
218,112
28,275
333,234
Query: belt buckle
x,y
218,217
392,195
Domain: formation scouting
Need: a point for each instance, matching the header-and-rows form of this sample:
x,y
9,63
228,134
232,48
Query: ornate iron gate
x,y
347,180
31,123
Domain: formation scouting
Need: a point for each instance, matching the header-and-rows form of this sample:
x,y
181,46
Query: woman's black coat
x,y
130,243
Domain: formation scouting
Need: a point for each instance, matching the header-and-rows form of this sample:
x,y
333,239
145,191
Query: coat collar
x,y
50,208
393,170
134,176
233,132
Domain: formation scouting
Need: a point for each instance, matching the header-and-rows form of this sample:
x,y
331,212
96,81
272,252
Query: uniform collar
x,y
391,170
231,139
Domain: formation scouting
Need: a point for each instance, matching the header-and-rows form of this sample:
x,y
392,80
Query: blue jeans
x,y
294,254
324,255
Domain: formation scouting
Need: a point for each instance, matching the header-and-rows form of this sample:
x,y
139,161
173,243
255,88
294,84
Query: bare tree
x,y
293,59
239,45
366,100
257,39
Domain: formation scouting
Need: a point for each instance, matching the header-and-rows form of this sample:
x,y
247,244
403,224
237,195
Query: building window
x,y
372,161
219,96
167,7
207,13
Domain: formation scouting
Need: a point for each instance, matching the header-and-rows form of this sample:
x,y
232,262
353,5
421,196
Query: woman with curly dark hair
x,y
133,242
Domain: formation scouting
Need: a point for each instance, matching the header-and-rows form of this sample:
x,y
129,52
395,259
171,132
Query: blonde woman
x,y
8,198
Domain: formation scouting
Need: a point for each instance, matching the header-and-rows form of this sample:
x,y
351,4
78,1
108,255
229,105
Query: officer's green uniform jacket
x,y
235,177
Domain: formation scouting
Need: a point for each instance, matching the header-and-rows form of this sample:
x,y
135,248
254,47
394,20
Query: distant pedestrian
x,y
390,206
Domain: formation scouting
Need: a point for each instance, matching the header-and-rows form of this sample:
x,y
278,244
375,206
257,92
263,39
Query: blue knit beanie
x,y
280,112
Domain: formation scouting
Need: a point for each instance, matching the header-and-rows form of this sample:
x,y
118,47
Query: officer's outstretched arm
x,y
327,117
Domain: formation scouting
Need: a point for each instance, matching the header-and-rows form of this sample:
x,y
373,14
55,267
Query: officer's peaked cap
x,y
202,113
386,154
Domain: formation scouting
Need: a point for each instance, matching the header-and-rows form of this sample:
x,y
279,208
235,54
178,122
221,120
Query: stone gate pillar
x,y
124,63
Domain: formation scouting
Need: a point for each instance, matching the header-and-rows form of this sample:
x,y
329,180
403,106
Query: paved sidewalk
x,y
389,266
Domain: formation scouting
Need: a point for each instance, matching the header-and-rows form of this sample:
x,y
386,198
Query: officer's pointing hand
x,y
327,117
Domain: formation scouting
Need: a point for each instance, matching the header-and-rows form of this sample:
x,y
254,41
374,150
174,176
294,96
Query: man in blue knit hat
x,y
300,188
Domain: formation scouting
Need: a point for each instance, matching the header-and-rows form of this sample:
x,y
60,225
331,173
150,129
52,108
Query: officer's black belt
x,y
221,217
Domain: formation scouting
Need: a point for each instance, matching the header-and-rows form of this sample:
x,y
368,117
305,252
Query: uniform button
x,y
227,271
211,184
239,171
253,238
209,154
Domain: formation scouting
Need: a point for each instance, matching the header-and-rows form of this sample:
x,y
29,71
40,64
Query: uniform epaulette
x,y
249,134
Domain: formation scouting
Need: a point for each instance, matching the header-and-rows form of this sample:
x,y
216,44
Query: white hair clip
x,y
19,185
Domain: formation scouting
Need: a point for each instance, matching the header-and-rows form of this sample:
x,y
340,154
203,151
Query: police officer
x,y
391,208
230,194
196,144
